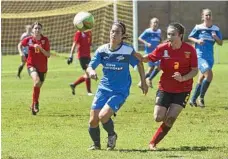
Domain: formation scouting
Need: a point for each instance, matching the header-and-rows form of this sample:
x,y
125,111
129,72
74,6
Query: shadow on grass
x,y
182,148
64,115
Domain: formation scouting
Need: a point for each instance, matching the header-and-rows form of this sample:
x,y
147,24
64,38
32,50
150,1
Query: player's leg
x,y
112,106
21,66
162,103
84,66
94,131
155,71
36,88
196,92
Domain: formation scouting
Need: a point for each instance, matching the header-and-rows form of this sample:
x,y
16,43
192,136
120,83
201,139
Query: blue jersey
x,y
116,73
152,37
25,49
206,50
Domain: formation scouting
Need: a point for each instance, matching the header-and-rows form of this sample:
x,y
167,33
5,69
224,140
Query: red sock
x,y
88,85
160,134
36,94
79,80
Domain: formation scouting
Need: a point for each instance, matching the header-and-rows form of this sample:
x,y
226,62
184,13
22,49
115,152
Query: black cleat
x,y
201,102
111,142
35,108
72,86
193,103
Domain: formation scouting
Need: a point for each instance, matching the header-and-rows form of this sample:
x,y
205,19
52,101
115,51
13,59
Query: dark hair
x,y
36,23
122,26
179,27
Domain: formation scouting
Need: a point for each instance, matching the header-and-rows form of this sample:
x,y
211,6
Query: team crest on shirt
x,y
119,58
166,54
187,54
42,42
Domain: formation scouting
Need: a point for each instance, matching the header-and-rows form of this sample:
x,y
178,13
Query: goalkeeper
x,y
82,42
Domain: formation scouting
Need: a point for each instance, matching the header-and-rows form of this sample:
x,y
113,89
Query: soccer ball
x,y
83,21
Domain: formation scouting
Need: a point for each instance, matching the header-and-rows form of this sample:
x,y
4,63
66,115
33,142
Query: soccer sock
x,y
95,135
160,134
88,85
109,127
196,92
79,80
36,94
204,87
153,74
147,75
20,68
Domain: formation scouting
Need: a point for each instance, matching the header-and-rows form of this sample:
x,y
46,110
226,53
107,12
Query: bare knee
x,y
158,118
37,83
93,122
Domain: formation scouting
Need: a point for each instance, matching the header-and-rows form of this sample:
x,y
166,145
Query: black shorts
x,y
26,56
165,99
41,75
84,62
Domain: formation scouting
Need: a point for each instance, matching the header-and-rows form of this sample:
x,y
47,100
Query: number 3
x,y
176,65
37,50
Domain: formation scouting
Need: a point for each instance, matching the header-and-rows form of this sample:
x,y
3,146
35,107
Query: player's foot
x,y
94,147
18,76
149,83
90,94
35,108
201,102
139,85
111,142
193,103
72,86
152,147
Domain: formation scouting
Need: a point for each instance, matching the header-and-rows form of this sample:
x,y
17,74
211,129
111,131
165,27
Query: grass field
x,y
60,129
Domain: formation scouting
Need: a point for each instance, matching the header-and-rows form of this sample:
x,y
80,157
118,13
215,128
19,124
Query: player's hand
x,y
36,46
200,41
177,76
69,60
93,75
213,34
144,87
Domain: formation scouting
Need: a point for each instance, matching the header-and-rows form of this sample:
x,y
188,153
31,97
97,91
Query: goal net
x,y
57,20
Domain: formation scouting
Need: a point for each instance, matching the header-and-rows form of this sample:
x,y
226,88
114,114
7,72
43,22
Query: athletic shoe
x,y
152,147
35,108
193,103
149,83
111,142
90,94
201,102
139,85
94,147
72,86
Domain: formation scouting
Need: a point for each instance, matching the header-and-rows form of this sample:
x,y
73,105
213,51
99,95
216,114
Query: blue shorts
x,y
114,100
152,64
205,65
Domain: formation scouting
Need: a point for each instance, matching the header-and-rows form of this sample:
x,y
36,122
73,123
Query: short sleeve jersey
x,y
83,42
35,57
206,50
178,60
116,73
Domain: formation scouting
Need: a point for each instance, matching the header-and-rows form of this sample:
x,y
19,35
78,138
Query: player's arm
x,y
141,58
92,73
45,52
218,40
21,53
70,59
141,71
177,76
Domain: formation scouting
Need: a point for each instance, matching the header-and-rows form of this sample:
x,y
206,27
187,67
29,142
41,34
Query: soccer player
x,y
24,55
151,37
114,87
179,66
83,41
38,54
204,36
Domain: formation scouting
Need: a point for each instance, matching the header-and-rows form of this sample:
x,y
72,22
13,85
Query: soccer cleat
x,y
139,85
193,103
94,147
72,86
201,102
152,147
18,76
90,94
111,142
149,83
35,108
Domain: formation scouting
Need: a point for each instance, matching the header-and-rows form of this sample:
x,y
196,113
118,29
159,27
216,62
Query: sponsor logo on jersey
x,y
187,54
119,58
166,54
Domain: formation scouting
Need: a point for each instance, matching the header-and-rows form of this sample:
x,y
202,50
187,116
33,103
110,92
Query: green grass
x,y
60,129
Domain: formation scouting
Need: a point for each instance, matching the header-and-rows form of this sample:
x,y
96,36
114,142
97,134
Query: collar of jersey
x,y
115,49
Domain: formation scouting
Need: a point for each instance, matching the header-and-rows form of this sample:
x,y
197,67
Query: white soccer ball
x,y
83,21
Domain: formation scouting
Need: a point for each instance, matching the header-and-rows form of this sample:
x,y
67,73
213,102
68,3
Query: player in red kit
x,y
38,54
82,41
179,66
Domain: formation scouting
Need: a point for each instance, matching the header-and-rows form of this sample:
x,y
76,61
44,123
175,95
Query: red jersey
x,y
35,57
83,42
178,60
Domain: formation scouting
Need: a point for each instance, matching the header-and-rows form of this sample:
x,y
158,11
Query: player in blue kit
x,y
114,87
204,36
151,37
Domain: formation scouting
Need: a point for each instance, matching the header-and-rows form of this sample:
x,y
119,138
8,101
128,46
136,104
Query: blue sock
x,y
95,135
153,74
204,87
109,127
147,75
196,92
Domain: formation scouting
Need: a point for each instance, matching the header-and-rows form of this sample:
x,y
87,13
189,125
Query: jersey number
x,y
176,65
37,50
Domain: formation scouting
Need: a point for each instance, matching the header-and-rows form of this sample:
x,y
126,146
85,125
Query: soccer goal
x,y
57,20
